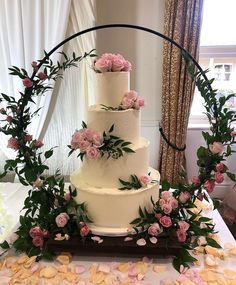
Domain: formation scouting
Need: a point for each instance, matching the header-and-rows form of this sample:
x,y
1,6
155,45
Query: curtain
x,y
182,23
34,26
27,29
74,93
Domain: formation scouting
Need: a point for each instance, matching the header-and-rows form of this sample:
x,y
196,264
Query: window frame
x,y
207,52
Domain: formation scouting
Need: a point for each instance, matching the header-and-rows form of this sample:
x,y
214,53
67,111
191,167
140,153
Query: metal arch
x,y
129,26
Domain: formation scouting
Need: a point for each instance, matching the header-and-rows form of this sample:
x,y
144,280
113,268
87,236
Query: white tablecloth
x,y
15,194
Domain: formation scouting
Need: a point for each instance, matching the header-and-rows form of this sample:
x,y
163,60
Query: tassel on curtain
x,y
182,24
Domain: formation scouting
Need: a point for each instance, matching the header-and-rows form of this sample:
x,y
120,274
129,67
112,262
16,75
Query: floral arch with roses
x,y
50,212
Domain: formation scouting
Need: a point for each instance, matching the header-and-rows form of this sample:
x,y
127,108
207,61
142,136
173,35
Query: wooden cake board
x,y
114,246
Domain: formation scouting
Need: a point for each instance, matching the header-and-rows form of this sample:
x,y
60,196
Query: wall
x,y
142,49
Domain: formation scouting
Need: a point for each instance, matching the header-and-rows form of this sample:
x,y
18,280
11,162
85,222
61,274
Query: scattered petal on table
x,y
141,242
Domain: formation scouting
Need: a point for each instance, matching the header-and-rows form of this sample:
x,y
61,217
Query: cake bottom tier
x,y
111,209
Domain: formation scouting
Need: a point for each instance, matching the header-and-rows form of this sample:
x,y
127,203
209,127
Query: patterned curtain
x,y
182,24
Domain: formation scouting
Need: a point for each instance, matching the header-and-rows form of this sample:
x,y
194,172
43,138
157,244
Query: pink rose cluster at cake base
x,y
167,202
109,62
132,100
87,141
38,234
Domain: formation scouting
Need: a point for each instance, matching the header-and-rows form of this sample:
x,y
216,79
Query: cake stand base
x,y
114,246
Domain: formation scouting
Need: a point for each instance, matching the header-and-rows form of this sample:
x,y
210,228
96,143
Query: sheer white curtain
x,y
74,93
27,28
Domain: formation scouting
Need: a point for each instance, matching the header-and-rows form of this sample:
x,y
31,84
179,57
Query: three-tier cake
x,y
115,178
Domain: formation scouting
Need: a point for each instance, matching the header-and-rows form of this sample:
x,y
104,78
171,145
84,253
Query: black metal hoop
x,y
137,28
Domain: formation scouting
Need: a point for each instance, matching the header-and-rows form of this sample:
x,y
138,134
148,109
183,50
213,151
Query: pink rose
x,y
127,66
162,202
195,180
13,143
174,203
37,241
126,103
219,177
117,64
166,195
36,231
34,64
42,75
62,219
184,226
89,134
93,152
141,102
154,230
84,146
216,147
97,139
9,119
28,138
145,179
132,95
2,111
38,143
109,56
209,185
77,137
233,134
166,221
84,231
103,65
38,183
184,197
166,208
27,82
181,235
220,167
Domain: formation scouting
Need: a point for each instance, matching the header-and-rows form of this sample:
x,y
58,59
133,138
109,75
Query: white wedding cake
x,y
115,157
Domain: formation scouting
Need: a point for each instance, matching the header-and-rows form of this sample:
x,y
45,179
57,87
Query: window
x,y
217,53
222,71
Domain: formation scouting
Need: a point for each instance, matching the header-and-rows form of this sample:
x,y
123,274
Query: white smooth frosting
x,y
126,122
103,172
111,209
111,88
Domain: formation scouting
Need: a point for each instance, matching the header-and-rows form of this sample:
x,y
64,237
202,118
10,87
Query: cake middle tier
x,y
126,123
105,172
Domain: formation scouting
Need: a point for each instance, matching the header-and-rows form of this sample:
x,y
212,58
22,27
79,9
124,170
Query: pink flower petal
x,y
34,268
104,268
79,269
96,238
153,240
128,239
133,272
100,241
141,242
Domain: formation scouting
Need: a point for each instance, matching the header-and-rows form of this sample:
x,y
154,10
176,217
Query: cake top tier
x,y
113,83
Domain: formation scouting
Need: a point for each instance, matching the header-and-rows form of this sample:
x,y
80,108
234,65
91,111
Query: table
x,y
15,194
